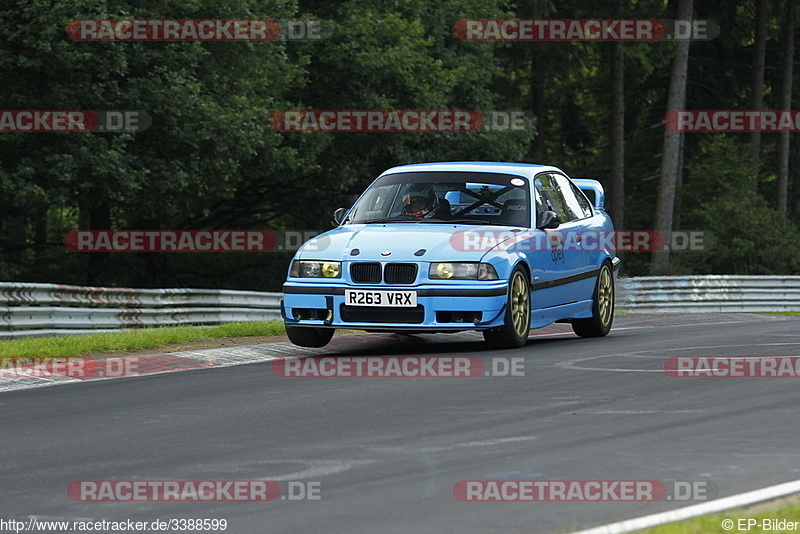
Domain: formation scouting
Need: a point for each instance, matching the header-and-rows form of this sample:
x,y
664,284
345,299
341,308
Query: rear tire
x,y
599,324
306,336
514,332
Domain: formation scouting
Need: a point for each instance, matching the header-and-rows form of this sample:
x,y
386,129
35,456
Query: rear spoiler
x,y
593,190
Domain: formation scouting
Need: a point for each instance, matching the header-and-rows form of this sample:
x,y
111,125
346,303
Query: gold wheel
x,y
517,318
599,324
605,296
520,305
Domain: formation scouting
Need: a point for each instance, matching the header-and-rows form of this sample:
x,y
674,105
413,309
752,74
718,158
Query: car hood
x,y
440,241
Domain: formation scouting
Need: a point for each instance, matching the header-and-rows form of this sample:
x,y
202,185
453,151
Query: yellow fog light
x,y
330,270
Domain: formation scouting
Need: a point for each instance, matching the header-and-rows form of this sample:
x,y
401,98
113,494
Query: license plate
x,y
386,299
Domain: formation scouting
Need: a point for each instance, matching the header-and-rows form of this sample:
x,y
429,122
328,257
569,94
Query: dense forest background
x,y
211,159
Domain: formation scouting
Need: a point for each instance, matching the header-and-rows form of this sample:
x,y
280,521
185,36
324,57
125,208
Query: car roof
x,y
527,170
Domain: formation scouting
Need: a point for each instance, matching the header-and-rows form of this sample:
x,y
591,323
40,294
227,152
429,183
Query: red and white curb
x,y
11,380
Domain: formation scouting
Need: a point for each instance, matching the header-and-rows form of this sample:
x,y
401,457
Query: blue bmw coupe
x,y
498,248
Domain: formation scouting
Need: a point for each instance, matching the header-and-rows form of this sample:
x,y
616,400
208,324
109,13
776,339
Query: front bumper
x,y
439,308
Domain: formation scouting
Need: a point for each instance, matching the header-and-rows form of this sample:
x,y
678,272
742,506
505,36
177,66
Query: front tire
x,y
514,332
599,324
306,336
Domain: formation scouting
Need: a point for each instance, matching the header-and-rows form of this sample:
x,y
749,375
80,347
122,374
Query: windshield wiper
x,y
396,218
459,221
409,219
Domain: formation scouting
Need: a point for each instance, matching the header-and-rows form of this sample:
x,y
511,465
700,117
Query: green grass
x,y
712,523
134,339
790,314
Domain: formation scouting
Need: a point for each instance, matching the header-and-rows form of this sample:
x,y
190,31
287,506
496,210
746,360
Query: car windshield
x,y
445,198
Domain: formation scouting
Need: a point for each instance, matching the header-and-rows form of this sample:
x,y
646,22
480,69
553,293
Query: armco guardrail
x,y
708,293
46,309
43,309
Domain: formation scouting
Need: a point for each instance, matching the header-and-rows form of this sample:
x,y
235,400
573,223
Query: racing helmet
x,y
420,200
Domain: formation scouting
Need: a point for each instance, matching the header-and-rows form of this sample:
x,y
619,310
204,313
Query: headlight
x,y
462,271
316,269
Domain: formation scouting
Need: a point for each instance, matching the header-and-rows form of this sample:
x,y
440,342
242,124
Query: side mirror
x,y
548,220
338,216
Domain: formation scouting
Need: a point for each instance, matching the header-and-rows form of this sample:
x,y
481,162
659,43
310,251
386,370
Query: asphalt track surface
x,y
388,451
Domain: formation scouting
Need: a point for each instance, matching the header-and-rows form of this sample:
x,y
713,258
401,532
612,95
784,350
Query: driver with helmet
x,y
420,200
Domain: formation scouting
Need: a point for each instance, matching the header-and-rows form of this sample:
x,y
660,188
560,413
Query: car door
x,y
582,287
559,262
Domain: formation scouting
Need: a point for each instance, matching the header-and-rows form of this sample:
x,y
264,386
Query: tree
x,y
617,198
211,159
743,234
672,143
757,82
209,104
784,146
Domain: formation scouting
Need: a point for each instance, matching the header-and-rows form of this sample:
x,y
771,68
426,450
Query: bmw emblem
x,y
386,253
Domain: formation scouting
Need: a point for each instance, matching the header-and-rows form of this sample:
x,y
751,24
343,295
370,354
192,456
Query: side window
x,y
553,197
584,208
571,198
